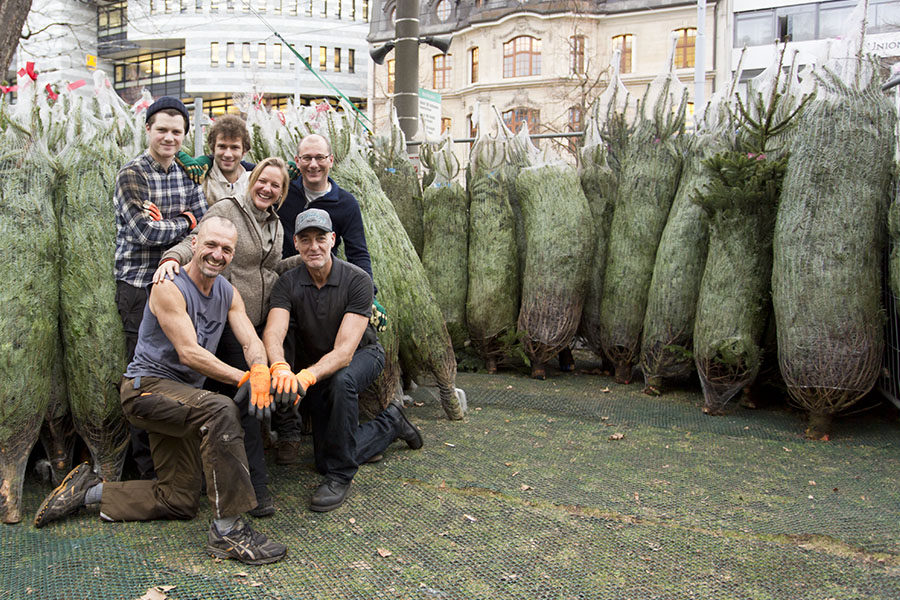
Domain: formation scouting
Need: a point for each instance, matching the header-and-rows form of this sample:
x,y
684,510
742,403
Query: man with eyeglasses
x,y
315,189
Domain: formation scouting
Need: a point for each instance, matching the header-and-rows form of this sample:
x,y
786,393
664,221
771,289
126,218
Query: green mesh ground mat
x,y
530,498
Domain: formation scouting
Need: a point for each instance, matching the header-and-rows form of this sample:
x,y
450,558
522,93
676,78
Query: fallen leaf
x,y
418,404
477,408
383,553
810,497
811,482
157,593
509,387
617,436
352,520
508,464
605,390
786,449
256,584
514,473
604,418
525,488
449,444
470,517
240,574
360,564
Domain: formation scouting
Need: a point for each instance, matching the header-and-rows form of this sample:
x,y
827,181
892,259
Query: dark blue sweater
x,y
345,217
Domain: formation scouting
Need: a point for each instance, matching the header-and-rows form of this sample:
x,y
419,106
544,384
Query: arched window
x,y
624,43
684,48
522,57
521,114
443,10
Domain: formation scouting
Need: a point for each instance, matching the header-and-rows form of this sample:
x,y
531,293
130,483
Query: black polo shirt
x,y
317,313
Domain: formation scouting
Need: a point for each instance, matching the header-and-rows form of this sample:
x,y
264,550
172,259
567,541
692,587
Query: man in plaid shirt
x,y
157,205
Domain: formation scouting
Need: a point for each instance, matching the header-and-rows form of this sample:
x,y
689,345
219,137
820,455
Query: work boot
x,y
406,431
68,497
288,453
329,496
244,544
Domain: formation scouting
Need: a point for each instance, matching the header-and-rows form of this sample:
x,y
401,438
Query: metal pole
x,y
406,71
700,59
198,130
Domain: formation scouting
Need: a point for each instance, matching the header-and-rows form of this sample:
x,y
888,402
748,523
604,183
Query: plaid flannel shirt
x,y
141,241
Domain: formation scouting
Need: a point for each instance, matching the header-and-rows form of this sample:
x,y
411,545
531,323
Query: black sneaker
x,y
244,545
406,431
264,507
68,497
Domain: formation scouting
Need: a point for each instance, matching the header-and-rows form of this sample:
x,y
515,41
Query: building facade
x,y
542,62
212,49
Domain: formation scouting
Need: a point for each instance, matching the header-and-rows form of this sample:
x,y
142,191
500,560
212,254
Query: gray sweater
x,y
257,259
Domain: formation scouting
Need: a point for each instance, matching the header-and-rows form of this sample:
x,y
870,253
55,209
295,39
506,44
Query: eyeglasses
x,y
306,158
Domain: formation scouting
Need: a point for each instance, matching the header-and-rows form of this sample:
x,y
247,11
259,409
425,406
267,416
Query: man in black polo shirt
x,y
338,355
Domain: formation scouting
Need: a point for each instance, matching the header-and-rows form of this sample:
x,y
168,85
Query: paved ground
x,y
573,487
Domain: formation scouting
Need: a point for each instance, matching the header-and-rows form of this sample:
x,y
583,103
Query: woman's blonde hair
x,y
272,161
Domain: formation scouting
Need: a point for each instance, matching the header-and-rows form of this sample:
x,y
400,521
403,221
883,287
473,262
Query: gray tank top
x,y
155,356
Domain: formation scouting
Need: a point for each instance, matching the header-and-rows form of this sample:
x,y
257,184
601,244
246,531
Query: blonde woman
x,y
256,266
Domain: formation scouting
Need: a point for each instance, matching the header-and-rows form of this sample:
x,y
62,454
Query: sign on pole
x,y
430,112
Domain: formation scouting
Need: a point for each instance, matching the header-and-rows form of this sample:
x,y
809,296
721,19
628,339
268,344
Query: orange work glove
x,y
305,378
255,384
155,214
284,384
190,217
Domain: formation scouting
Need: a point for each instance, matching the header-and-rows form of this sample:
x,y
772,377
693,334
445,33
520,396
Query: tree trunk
x,y
12,18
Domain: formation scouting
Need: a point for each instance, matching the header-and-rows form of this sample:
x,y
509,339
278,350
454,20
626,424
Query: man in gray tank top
x,y
193,432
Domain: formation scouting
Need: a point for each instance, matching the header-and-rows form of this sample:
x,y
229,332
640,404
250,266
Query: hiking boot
x,y
288,453
329,496
68,497
244,544
264,506
406,431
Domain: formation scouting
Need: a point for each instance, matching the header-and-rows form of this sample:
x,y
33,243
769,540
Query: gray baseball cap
x,y
314,217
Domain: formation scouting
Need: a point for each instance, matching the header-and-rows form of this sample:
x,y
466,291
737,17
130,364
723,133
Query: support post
x,y
406,72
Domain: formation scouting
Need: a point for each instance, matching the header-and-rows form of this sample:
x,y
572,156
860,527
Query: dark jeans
x,y
192,432
229,351
340,443
131,301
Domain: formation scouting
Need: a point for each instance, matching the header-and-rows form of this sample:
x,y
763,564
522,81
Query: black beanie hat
x,y
170,102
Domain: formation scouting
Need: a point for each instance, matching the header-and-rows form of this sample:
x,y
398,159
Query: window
x,y
337,60
214,54
276,6
516,116
161,73
309,56
309,7
292,7
445,124
276,55
261,6
796,23
443,10
522,57
390,69
365,10
229,5
753,28
112,20
353,10
324,8
883,16
261,54
576,123
473,65
229,54
351,60
576,44
624,44
337,13
245,53
684,47
323,58
442,65
470,126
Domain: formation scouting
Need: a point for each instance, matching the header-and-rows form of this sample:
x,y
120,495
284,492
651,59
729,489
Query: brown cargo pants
x,y
192,432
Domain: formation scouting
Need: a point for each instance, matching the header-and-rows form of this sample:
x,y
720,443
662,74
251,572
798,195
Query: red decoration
x,y
75,85
53,95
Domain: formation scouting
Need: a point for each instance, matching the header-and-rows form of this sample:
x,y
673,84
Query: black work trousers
x,y
340,443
